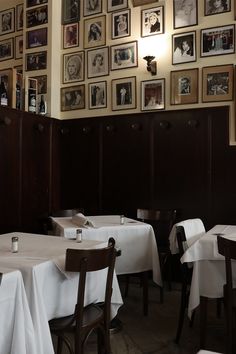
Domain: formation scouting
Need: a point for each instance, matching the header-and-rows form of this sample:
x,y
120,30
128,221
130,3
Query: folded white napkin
x,y
82,221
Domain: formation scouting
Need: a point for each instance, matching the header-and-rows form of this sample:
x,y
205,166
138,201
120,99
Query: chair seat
x,y
92,314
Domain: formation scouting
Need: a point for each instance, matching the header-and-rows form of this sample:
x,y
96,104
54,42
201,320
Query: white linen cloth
x,y
81,220
17,331
208,276
135,239
193,228
207,352
50,291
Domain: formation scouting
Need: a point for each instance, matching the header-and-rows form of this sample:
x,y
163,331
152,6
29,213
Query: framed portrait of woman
x,y
184,47
152,21
185,13
113,5
92,7
98,62
73,65
95,32
120,24
215,7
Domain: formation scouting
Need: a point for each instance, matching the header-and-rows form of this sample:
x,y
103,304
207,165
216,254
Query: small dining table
x,y
50,290
134,238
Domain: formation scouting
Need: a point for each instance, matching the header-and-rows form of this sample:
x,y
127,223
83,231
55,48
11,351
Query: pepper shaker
x,y
122,219
78,235
14,244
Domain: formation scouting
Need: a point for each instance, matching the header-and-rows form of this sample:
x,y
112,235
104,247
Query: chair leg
x,y
203,321
183,305
126,285
145,293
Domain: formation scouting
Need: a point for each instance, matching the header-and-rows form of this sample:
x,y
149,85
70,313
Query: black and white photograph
x,y
19,47
72,98
184,86
37,17
42,84
70,11
152,21
7,21
36,61
71,35
124,93
98,62
152,94
37,38
92,7
217,41
215,7
30,3
124,55
114,5
185,13
97,94
120,24
19,17
6,49
73,67
95,32
184,47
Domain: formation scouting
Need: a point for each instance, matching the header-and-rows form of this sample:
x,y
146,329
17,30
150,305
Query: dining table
x,y
135,240
50,291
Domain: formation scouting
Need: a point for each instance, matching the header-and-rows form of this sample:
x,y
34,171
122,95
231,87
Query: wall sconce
x,y
151,64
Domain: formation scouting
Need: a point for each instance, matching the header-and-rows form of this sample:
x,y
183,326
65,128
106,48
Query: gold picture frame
x,y
124,93
184,86
142,2
218,83
72,98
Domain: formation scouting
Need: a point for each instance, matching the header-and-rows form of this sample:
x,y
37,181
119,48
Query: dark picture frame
x,y
70,11
72,98
210,7
6,49
7,21
19,47
218,83
97,62
71,35
42,84
184,47
218,41
73,67
37,38
36,61
120,24
95,32
124,93
152,95
185,14
19,17
6,76
114,5
37,16
97,93
152,21
184,86
124,55
92,7
31,3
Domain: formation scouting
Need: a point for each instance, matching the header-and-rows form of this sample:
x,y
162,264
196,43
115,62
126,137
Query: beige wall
x,y
158,45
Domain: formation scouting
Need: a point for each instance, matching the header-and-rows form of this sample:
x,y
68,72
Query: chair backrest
x,y
227,248
161,220
181,240
90,260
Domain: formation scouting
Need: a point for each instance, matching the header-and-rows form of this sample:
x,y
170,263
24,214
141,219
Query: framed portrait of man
x,y
184,86
124,55
72,98
7,21
124,93
70,11
184,47
114,5
97,95
73,65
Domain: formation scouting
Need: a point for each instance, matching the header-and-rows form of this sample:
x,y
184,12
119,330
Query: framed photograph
x,y
37,38
185,13
70,11
92,7
19,69
113,5
18,47
30,3
98,62
217,83
216,7
7,21
71,35
142,2
19,17
97,93
95,32
72,97
217,41
73,67
6,49
152,94
184,47
124,55
124,93
36,61
42,84
184,86
120,24
152,21
37,17
6,76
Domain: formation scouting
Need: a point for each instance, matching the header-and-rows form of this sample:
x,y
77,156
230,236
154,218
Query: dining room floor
x,y
155,333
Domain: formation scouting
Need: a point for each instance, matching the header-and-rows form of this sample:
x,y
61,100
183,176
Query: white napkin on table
x,y
82,221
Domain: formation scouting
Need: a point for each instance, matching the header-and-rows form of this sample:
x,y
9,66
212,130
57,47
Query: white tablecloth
x,y
17,335
209,266
135,239
51,292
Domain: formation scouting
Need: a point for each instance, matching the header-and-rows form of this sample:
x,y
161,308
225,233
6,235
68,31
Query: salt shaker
x,y
122,219
14,244
78,235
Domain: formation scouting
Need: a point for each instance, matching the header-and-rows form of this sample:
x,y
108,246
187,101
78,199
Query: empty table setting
x,y
135,239
50,291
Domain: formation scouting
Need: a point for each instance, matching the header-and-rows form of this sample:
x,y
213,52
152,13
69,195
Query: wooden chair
x,y
227,248
92,317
